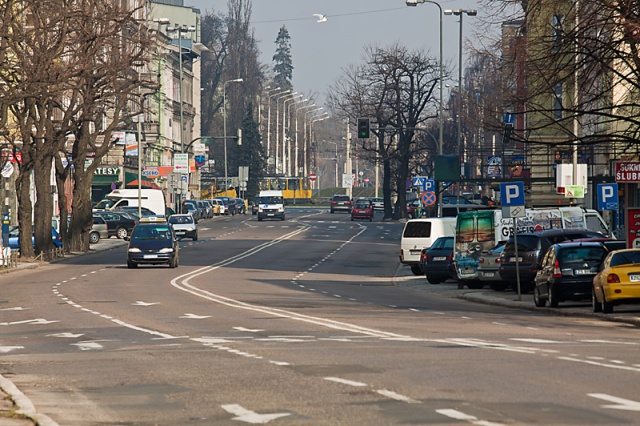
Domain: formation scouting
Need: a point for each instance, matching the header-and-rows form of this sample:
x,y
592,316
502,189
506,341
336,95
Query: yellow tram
x,y
293,188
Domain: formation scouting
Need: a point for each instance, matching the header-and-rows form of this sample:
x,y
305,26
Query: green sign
x,y
447,168
574,191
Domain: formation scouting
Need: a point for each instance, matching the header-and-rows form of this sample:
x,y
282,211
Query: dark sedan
x,y
567,272
118,224
435,261
152,242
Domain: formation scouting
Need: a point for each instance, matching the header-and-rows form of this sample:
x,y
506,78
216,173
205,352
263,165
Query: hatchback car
x,y
618,280
435,261
230,205
99,229
567,271
489,267
340,202
363,209
14,238
118,224
184,226
240,206
532,246
378,203
152,242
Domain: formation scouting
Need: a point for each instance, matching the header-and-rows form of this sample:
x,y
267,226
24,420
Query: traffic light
x,y
363,128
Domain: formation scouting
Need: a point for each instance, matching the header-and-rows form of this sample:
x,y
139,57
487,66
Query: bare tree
x,y
395,88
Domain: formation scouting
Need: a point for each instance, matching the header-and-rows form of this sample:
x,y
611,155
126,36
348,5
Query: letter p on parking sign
x,y
608,196
512,194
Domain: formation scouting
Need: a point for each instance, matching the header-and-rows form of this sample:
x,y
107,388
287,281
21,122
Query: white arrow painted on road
x,y
66,335
247,329
88,346
249,416
7,349
17,308
33,321
621,403
194,316
141,303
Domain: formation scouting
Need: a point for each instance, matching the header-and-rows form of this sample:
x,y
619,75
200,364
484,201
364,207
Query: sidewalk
x,y
509,299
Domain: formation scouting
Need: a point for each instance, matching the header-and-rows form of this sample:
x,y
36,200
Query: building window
x,y
557,101
557,31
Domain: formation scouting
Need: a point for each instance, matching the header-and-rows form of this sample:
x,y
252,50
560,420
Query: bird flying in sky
x,y
321,18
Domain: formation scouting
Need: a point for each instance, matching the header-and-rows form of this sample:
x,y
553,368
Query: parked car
x,y
532,246
567,271
412,207
118,224
134,210
422,233
205,208
340,202
184,226
241,206
363,209
435,261
14,238
618,281
191,207
378,203
152,242
255,205
230,205
221,207
99,229
489,267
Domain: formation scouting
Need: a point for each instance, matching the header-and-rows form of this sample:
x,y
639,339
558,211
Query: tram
x,y
294,189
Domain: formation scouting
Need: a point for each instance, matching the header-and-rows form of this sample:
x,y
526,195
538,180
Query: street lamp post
x,y
441,106
320,117
289,162
460,13
297,154
269,118
284,99
284,121
224,131
306,141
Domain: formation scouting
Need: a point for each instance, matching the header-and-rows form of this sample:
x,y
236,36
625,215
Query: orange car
x,y
618,281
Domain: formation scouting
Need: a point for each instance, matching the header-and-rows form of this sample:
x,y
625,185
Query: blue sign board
x,y
512,194
429,185
608,196
509,118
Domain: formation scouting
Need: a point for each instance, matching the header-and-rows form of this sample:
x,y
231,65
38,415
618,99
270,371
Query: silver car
x,y
184,226
98,230
489,267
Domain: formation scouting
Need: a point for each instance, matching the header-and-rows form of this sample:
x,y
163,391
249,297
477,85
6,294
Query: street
x,y
305,321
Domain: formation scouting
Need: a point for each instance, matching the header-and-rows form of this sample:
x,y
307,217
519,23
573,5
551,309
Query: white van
x,y
153,199
271,204
421,233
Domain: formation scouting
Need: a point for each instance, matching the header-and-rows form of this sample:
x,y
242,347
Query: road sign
x,y
509,118
608,196
418,181
429,198
512,194
429,185
181,163
514,211
313,177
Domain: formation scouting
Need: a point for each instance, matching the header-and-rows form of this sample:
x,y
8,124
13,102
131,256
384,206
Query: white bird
x,y
321,18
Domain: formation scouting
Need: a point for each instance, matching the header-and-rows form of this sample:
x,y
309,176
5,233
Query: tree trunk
x,y
23,193
43,208
82,218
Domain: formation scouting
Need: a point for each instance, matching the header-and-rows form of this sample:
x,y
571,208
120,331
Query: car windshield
x,y
625,258
151,233
363,205
181,219
341,198
270,200
417,229
444,243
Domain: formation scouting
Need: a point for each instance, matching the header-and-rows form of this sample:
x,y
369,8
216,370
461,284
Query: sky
x,y
321,51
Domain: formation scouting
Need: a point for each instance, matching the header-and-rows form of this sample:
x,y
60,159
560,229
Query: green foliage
x,y
251,153
283,68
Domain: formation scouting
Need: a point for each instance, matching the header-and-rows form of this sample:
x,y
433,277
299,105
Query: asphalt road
x,y
306,321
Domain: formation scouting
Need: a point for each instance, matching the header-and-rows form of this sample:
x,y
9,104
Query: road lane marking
x,y
620,403
194,316
248,416
345,382
397,396
256,330
601,364
459,415
141,303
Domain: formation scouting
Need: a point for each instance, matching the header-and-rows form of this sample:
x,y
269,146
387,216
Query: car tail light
x,y
556,270
497,260
613,278
481,260
449,258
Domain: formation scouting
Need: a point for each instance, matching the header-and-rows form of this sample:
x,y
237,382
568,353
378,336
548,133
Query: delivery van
x,y
421,233
153,199
271,205
479,231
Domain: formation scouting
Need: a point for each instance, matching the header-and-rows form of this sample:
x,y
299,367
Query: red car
x,y
363,209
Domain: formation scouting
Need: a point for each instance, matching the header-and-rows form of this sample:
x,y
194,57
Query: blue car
x,y
14,238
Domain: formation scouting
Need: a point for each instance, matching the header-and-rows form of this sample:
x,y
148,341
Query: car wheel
x,y
475,285
553,297
259,219
331,211
597,307
282,218
433,280
352,219
416,270
121,233
498,286
131,265
607,307
195,237
94,237
537,299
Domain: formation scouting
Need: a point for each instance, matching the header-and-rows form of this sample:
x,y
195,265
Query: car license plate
x,y
270,214
634,278
180,233
513,259
583,272
488,274
415,251
150,256
439,258
467,270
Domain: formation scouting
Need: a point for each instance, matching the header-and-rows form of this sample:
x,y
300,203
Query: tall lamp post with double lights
x,y
441,106
297,154
224,130
279,92
284,98
288,170
306,141
284,128
460,13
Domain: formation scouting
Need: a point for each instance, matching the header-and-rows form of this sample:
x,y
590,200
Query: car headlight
x,y
166,250
280,209
134,250
191,228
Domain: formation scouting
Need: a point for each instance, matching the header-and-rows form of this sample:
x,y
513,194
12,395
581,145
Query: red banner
x,y
633,228
627,171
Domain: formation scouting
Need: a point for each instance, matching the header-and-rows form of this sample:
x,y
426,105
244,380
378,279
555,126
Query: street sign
x,y
429,198
313,177
608,196
181,163
574,191
429,185
418,181
513,211
509,118
512,194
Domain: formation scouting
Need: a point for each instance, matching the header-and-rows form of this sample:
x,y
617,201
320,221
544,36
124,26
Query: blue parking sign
x,y
608,196
512,194
429,185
